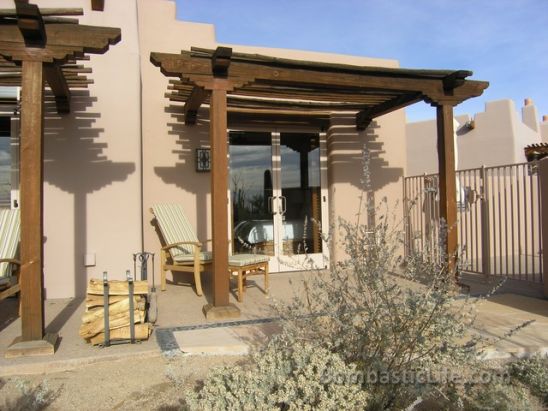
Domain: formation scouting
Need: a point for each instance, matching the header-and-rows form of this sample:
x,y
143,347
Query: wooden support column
x,y
32,132
447,182
221,308
219,187
32,341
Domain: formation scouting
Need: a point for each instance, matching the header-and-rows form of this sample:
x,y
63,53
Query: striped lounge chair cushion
x,y
10,232
175,227
205,256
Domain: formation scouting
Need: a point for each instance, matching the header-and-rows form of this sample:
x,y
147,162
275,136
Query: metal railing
x,y
499,219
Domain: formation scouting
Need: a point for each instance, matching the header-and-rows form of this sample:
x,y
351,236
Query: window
x,y
9,147
5,162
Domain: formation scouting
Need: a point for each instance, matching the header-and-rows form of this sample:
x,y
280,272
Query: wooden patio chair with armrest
x,y
10,231
182,252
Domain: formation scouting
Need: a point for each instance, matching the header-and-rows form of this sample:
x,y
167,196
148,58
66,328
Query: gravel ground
x,y
131,384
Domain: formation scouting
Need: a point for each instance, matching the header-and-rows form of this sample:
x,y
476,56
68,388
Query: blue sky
x,y
502,41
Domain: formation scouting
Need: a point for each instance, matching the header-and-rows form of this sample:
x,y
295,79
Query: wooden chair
x,y
183,251
10,232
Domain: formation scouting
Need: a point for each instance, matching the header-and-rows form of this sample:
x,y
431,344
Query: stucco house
x,y
137,119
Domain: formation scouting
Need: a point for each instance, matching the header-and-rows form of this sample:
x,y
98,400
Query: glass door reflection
x,y
251,193
300,181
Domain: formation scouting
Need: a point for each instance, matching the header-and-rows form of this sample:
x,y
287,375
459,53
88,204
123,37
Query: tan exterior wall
x,y
348,197
498,138
544,131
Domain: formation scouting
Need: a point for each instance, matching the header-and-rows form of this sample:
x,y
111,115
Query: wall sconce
x,y
203,159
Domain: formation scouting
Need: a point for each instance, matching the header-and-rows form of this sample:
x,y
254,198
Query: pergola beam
x,y
59,87
193,103
364,117
45,11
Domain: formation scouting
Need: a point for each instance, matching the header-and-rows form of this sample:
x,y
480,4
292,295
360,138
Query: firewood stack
x,y
93,320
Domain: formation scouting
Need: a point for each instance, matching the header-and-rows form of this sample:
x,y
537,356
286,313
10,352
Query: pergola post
x,y
32,133
221,308
447,183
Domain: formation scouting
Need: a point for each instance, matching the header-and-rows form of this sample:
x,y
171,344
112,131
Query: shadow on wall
x,y
183,173
74,162
346,157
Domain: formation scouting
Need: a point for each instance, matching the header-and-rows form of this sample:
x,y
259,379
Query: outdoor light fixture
x,y
203,159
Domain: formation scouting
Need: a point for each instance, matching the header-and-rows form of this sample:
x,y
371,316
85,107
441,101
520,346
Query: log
x,y
142,332
88,330
93,301
116,287
113,309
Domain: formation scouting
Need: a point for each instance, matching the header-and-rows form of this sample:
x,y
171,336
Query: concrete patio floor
x,y
182,326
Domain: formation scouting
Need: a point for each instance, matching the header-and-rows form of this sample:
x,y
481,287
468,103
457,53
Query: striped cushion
x,y
175,228
10,232
241,260
188,258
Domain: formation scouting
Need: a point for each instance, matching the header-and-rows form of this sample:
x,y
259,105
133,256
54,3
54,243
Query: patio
x,y
182,326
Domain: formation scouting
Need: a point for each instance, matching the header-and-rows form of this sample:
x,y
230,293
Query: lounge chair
x,y
183,251
10,231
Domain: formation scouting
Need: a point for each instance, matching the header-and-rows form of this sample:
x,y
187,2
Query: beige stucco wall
x,y
92,162
544,131
498,138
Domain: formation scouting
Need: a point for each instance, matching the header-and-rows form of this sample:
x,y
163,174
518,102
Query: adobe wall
x,y
498,137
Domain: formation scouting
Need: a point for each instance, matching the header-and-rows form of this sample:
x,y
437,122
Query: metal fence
x,y
499,219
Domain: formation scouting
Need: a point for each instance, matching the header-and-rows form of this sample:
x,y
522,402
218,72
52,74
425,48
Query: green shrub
x,y
533,373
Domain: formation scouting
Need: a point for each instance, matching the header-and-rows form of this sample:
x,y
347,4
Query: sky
x,y
504,42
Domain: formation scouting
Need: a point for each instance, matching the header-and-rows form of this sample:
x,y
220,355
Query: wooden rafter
x,y
193,102
59,87
98,5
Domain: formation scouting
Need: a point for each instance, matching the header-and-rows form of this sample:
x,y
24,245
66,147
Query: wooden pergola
x,y
249,87
39,46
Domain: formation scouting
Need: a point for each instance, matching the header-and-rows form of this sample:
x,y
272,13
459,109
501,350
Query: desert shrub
x,y
32,398
499,396
284,375
533,373
399,333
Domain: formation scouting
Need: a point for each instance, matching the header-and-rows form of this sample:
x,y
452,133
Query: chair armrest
x,y
10,260
194,243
